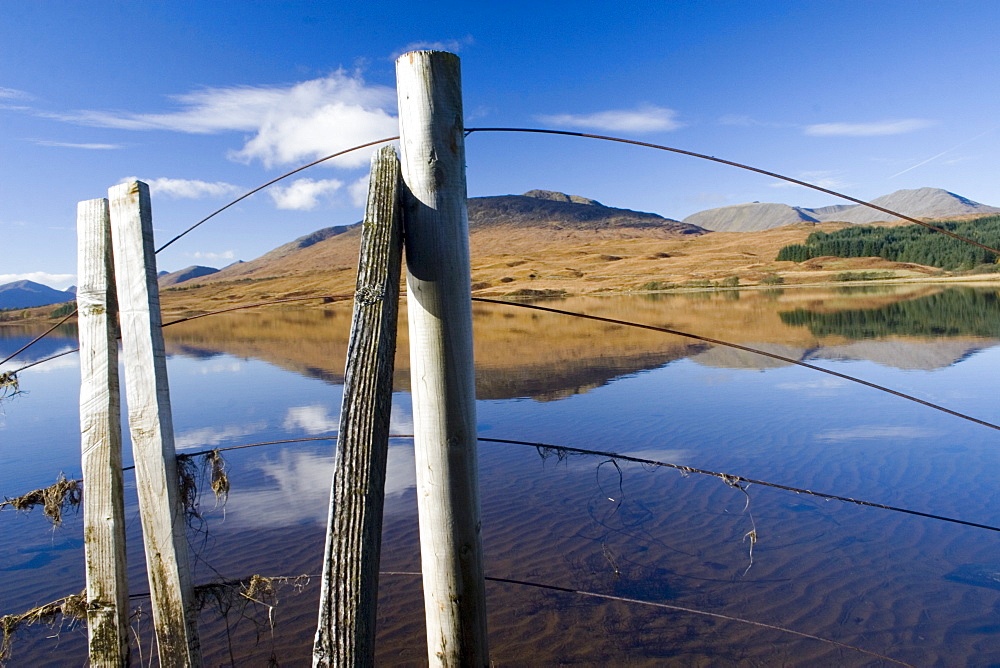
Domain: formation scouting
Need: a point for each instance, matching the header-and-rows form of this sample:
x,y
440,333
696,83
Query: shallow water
x,y
917,590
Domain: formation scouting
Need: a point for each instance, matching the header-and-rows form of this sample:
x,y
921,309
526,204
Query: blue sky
x,y
205,101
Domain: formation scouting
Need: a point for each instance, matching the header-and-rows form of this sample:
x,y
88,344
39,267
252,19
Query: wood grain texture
x,y
101,440
435,221
345,635
151,427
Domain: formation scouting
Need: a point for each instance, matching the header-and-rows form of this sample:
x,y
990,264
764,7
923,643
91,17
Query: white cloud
x,y
303,194
314,419
306,120
358,191
224,255
453,45
824,179
212,436
647,118
57,281
91,147
13,94
878,128
186,188
66,361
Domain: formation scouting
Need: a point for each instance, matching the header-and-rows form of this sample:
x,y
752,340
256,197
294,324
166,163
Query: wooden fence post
x,y
345,635
101,440
175,613
435,219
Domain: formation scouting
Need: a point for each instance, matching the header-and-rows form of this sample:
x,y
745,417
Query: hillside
x,y
173,278
919,203
26,294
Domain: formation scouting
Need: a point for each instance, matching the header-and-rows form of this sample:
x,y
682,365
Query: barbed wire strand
x,y
675,608
739,478
234,582
626,323
736,346
36,339
272,182
637,460
722,161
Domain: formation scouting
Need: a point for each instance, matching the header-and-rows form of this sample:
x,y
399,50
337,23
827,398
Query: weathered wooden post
x,y
439,310
151,425
101,439
345,635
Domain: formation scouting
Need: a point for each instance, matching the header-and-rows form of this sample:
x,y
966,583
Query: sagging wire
x,y
737,346
722,161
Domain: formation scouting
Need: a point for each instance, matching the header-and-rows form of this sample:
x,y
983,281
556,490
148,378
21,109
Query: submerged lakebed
x,y
917,590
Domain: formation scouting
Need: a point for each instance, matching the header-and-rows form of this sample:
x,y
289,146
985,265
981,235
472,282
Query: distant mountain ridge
x,y
555,210
28,294
918,203
173,278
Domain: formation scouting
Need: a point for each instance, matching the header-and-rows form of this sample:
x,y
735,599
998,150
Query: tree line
x,y
907,243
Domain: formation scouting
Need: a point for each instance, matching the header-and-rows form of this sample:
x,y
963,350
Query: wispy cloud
x,y
306,120
14,94
57,281
453,45
646,118
823,178
187,188
303,194
358,191
211,436
211,257
62,144
875,129
314,419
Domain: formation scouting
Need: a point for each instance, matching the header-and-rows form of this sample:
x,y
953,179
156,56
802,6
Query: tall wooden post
x,y
151,425
442,375
101,440
345,635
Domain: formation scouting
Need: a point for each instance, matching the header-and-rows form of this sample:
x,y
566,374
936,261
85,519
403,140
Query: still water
x,y
917,590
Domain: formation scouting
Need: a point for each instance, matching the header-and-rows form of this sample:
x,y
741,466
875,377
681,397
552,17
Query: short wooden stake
x,y
345,635
175,612
101,440
439,309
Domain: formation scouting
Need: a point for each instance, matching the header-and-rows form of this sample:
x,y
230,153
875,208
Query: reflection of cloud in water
x,y
218,366
314,419
209,436
877,432
70,361
819,387
298,488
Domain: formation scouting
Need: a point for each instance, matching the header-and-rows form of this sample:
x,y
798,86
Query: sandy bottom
x,y
915,590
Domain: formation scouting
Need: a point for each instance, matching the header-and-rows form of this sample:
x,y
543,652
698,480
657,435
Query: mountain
x,y
557,211
279,254
26,294
919,203
173,278
752,217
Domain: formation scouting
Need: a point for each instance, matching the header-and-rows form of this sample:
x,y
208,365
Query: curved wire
x,y
712,158
748,349
272,182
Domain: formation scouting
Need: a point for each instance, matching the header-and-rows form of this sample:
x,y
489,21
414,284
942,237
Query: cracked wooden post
x,y
175,611
345,635
101,440
439,310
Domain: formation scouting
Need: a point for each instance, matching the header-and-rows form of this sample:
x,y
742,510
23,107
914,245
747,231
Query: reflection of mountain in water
x,y
548,356
955,312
